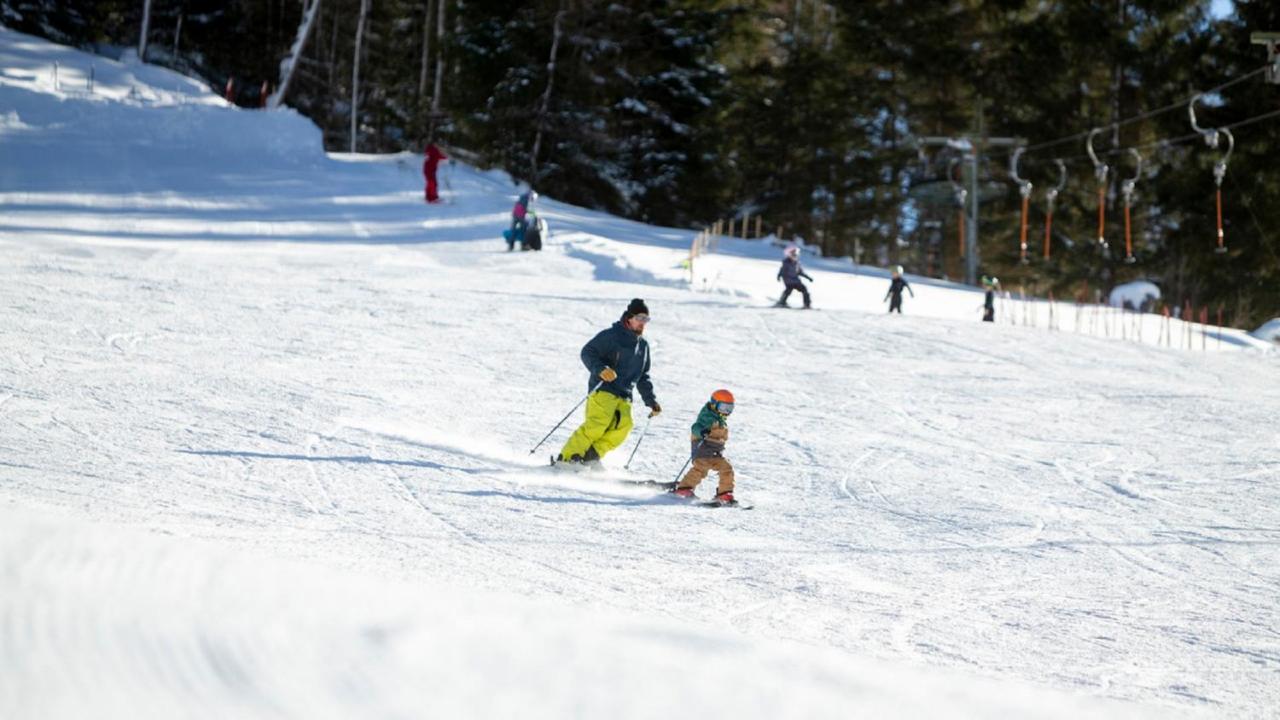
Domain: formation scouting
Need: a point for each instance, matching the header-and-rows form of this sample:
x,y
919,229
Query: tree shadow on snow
x,y
563,500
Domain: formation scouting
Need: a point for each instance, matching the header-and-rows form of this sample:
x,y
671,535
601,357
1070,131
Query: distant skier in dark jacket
x,y
707,438
790,274
431,160
989,302
618,359
895,290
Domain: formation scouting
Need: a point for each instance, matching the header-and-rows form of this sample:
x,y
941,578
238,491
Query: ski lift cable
x,y
1163,143
1149,114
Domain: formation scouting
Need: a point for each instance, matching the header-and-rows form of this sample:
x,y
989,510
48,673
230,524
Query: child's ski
x,y
719,503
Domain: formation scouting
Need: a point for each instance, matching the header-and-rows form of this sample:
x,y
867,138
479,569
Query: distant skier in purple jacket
x,y
790,274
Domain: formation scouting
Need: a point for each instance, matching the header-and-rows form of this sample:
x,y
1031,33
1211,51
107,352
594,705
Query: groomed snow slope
x,y
265,453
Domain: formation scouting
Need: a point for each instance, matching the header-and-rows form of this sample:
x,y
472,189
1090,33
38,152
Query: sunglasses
x,y
642,319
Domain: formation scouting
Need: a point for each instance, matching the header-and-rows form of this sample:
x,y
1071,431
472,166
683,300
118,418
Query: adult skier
x,y
618,359
431,160
896,286
790,274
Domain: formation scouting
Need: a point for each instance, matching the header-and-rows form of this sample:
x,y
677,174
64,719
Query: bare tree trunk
x,y
436,92
545,103
310,11
426,48
355,71
333,52
146,28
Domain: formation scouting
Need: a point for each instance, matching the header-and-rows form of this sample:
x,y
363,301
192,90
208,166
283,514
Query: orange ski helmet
x,y
722,401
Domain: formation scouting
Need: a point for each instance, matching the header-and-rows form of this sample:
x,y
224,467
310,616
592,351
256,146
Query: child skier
x,y
989,302
790,274
895,290
707,439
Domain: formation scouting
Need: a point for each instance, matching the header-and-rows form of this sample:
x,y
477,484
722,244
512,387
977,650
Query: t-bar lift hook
x,y
961,195
1100,170
1126,190
1051,196
1024,189
1211,136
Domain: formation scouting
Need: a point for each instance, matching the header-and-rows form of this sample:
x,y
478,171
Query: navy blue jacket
x,y
791,272
628,354
896,287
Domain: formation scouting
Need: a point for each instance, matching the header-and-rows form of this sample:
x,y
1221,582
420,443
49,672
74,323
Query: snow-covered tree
x,y
310,11
355,72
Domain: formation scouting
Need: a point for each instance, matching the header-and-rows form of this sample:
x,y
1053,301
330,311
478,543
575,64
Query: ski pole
x,y
566,417
639,440
682,467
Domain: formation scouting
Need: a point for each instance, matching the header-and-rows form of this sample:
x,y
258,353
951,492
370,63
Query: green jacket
x,y
709,433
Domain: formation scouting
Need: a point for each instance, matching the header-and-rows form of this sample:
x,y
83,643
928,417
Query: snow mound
x,y
1137,295
1269,331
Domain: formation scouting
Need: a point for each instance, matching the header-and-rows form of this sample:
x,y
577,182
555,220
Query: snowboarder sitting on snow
x,y
707,439
535,230
520,220
895,290
790,274
618,358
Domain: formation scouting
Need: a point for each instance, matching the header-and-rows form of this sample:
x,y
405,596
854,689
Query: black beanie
x,y
637,307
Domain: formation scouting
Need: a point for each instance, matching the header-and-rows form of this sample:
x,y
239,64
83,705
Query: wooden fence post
x,y
1219,326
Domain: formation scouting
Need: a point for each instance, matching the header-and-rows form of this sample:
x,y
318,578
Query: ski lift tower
x,y
970,149
1272,41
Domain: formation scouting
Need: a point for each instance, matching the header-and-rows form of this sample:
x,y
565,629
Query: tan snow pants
x,y
702,466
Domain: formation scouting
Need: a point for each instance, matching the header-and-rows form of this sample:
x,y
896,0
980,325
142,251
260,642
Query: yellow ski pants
x,y
607,425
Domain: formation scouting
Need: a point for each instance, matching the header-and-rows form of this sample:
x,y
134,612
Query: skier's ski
x,y
667,485
595,471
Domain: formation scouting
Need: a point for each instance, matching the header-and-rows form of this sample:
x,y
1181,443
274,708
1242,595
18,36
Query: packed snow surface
x,y
267,435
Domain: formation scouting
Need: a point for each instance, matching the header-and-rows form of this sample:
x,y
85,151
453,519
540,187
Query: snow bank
x,y
117,115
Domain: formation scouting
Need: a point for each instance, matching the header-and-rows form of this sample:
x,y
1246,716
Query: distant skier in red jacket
x,y
433,157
